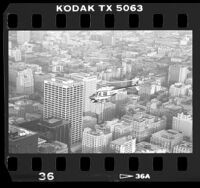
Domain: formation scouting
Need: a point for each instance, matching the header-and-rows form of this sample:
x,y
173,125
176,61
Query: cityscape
x,y
100,91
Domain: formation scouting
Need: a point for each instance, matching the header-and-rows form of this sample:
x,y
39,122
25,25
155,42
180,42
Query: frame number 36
x,y
46,176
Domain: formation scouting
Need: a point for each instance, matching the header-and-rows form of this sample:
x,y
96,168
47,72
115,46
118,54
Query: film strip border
x,y
100,168
176,167
153,16
85,21
133,164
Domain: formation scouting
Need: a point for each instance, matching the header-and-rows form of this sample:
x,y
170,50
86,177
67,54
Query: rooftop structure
x,y
124,144
95,141
64,82
122,140
16,133
53,147
22,140
146,147
168,134
167,138
183,147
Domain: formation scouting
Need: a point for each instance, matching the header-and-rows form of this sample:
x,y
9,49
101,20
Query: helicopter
x,y
104,94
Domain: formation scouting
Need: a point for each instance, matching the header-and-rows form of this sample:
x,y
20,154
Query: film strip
x,y
164,161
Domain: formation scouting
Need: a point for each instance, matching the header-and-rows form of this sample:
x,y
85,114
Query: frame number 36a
x,y
46,176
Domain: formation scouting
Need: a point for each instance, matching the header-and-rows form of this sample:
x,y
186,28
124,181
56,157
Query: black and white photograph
x,y
100,91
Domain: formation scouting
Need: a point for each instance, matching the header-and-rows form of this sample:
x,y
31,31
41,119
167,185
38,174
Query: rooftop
x,y
16,133
23,102
82,75
139,117
172,106
96,132
122,140
146,146
52,146
63,81
185,144
169,134
53,122
122,125
42,126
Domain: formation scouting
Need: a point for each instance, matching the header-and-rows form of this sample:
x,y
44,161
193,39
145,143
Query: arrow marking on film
x,y
124,176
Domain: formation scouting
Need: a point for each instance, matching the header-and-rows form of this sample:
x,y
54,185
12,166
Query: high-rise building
x,y
22,140
96,141
124,144
167,139
183,123
63,98
23,36
177,73
25,82
89,88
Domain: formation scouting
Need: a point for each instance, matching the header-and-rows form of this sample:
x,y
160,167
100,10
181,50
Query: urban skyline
x,y
100,91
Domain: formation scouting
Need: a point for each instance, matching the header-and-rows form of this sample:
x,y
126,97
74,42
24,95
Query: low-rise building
x,y
95,141
53,147
167,139
122,129
22,140
124,144
144,125
183,147
146,147
179,89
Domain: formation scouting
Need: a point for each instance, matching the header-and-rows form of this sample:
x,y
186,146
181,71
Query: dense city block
x,y
100,92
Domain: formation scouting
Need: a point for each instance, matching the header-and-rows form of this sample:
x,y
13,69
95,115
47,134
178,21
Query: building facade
x,y
22,140
25,82
179,89
95,141
63,98
144,125
177,73
183,147
89,88
146,147
167,139
122,129
183,123
124,144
